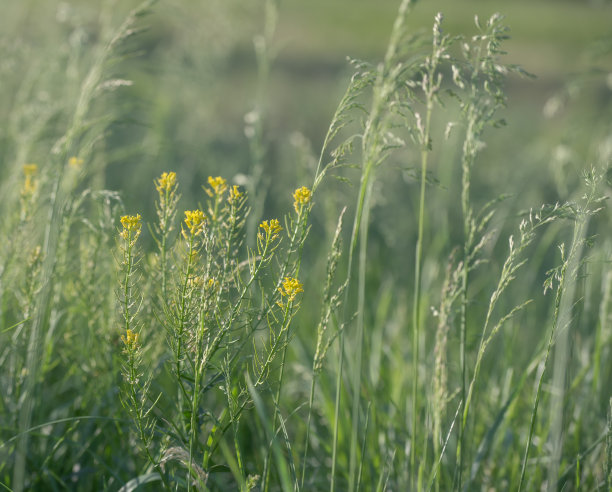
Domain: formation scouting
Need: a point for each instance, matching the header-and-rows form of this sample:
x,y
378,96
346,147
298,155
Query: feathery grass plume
x,y
393,97
479,79
565,278
387,84
512,264
430,82
451,289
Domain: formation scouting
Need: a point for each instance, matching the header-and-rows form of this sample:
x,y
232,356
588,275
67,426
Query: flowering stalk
x,y
289,289
193,226
28,190
136,398
166,187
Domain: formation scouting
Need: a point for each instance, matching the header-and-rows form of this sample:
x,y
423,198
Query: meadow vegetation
x,y
194,298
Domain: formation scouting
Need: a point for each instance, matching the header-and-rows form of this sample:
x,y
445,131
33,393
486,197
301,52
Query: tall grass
x,y
233,334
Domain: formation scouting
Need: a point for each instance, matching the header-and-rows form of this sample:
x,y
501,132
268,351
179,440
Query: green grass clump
x,y
219,327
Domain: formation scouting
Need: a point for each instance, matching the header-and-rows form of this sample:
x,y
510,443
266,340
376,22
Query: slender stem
x,y
467,160
357,373
536,404
332,482
310,403
283,336
467,233
179,335
416,301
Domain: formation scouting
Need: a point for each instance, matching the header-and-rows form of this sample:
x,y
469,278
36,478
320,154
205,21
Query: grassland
x,y
236,260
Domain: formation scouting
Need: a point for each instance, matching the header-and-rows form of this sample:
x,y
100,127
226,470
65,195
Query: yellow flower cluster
x,y
30,184
166,182
195,282
301,197
235,194
272,228
30,170
130,339
213,284
75,162
131,226
194,220
218,185
290,288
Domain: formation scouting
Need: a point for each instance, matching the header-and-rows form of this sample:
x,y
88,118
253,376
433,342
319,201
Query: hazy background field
x,y
195,78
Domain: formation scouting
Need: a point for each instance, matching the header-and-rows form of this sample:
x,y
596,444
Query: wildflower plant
x,y
135,395
211,317
75,162
165,206
29,189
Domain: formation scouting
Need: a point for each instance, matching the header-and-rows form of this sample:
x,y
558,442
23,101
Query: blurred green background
x,y
195,78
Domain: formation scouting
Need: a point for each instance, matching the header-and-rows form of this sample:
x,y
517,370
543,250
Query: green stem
x,y
306,440
363,242
183,393
337,409
283,337
416,301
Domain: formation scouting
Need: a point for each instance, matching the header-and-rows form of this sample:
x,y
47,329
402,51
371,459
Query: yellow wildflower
x,y
131,226
195,282
301,197
194,220
166,182
75,162
213,284
234,194
290,288
30,184
218,185
194,256
130,339
272,228
131,222
30,170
